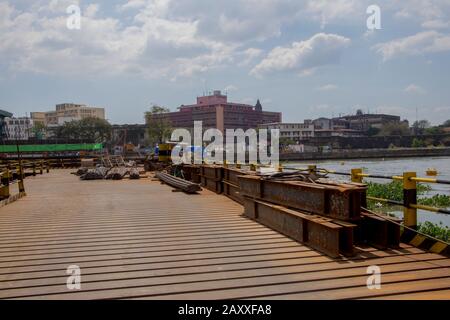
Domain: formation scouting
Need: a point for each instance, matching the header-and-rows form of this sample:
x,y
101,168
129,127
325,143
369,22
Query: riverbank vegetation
x,y
394,191
439,231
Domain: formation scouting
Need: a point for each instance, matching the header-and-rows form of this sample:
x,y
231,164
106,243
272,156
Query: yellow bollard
x,y
409,198
356,175
4,190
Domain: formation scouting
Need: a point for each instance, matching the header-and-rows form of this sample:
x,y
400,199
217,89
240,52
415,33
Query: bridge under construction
x,y
138,239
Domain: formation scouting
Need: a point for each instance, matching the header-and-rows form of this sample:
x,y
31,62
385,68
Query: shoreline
x,y
356,154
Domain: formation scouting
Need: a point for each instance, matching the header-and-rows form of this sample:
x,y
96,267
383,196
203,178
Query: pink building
x,y
216,112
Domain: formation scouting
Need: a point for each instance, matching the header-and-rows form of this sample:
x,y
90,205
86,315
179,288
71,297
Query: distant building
x,y
216,112
364,121
292,131
67,112
3,115
18,128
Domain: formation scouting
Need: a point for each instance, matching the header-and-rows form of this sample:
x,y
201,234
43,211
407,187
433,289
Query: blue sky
x,y
306,58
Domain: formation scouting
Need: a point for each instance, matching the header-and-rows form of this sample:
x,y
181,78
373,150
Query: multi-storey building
x,y
67,112
364,121
215,111
292,131
18,128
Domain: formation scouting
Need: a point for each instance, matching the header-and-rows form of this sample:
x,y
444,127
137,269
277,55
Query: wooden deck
x,y
138,239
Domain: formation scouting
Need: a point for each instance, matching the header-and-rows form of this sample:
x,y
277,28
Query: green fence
x,y
51,147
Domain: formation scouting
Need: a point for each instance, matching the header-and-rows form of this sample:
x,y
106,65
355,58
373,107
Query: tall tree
x,y
159,127
90,129
394,129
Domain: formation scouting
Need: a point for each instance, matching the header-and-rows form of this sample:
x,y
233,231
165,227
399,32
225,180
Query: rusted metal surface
x,y
328,200
191,173
138,240
231,182
211,177
315,231
379,232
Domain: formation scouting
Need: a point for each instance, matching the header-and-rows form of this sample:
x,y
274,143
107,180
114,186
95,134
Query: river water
x,y
395,167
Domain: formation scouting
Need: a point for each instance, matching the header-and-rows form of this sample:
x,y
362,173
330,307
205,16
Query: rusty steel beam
x,y
314,231
191,173
211,178
231,182
339,202
378,232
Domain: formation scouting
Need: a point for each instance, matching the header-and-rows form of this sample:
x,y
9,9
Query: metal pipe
x,y
178,183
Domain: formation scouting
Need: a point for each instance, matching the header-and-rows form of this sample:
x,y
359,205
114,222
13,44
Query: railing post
x,y
409,198
34,169
47,165
41,167
356,175
4,190
21,184
312,169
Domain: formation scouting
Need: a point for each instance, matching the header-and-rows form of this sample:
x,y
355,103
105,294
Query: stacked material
x,y
117,173
178,183
324,215
94,174
134,174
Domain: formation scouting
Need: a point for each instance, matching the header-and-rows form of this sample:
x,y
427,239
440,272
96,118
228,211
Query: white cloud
x,y
436,24
420,43
321,49
327,87
415,89
328,11
230,88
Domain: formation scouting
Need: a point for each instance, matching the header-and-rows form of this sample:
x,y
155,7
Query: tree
x,y
91,129
394,129
158,127
446,123
420,126
39,130
417,143
286,141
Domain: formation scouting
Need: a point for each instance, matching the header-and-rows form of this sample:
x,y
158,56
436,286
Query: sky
x,y
304,58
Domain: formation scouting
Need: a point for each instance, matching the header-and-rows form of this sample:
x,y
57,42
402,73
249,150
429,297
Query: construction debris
x,y
94,174
186,186
134,174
